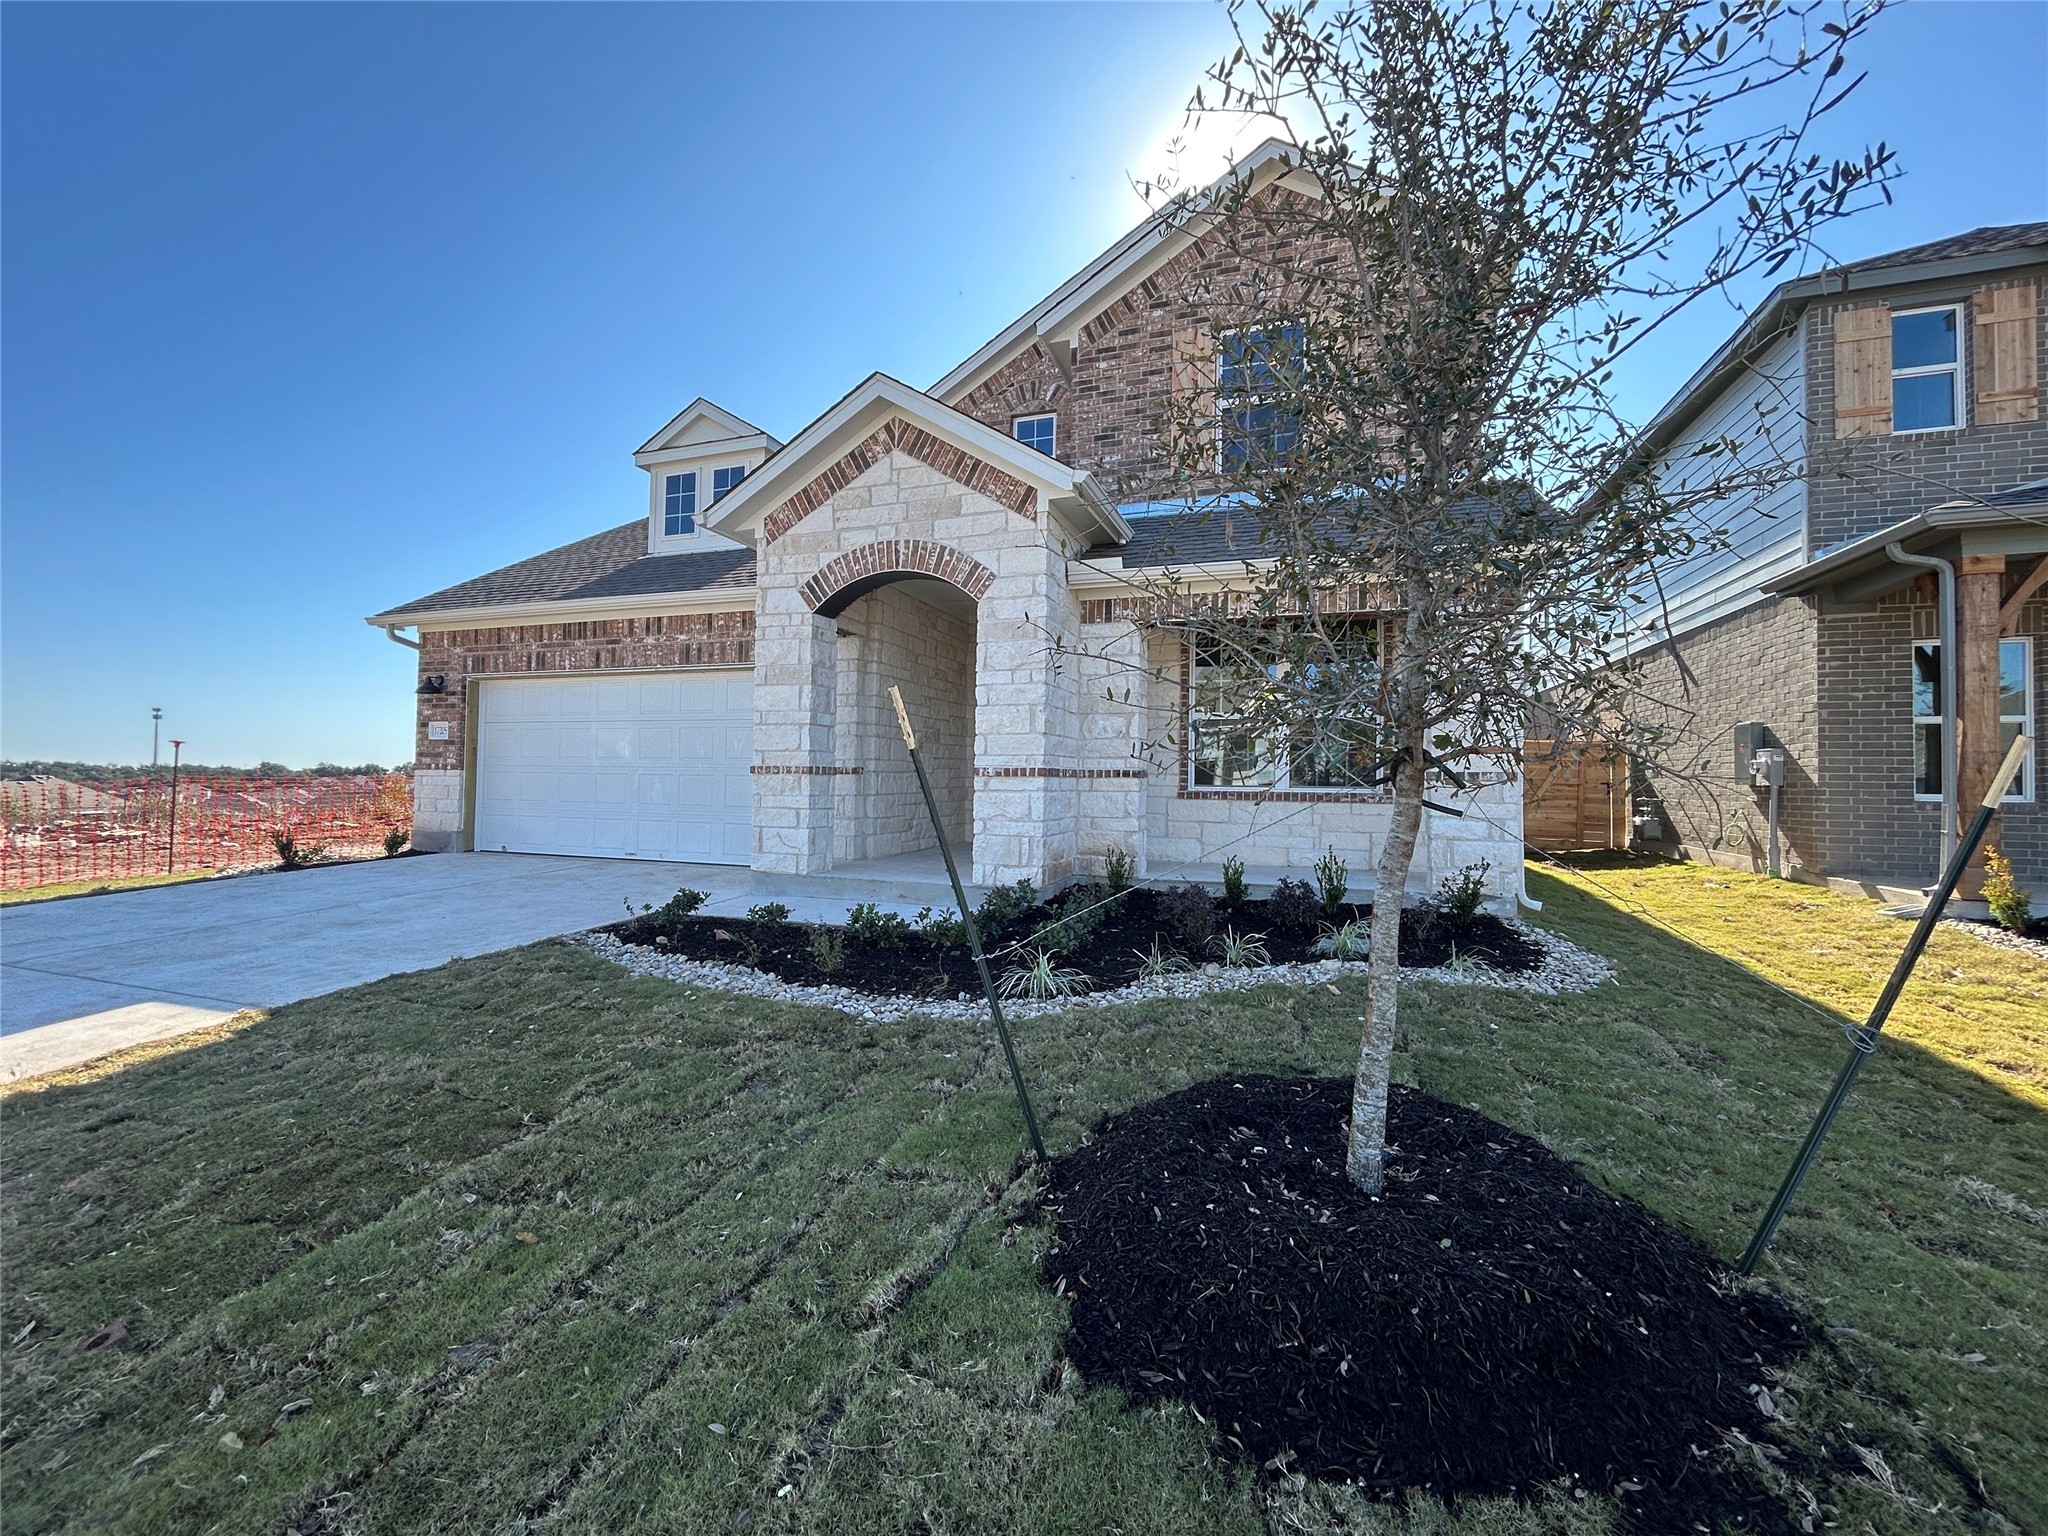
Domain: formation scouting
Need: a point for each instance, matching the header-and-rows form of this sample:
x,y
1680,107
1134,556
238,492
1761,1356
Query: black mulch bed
x,y
1494,1323
1108,955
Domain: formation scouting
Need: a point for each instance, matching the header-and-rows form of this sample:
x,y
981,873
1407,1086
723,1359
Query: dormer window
x,y
723,480
679,503
1034,432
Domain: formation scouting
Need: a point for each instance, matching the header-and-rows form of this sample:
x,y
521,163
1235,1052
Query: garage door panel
x,y
650,767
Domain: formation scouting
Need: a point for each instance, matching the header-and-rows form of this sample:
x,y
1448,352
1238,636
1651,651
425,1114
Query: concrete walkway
x,y
83,977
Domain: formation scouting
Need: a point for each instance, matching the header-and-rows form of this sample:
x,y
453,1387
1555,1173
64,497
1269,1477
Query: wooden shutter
x,y
2007,387
1863,371
1194,368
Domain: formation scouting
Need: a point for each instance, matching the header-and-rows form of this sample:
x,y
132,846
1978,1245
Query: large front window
x,y
1246,725
1253,368
2015,714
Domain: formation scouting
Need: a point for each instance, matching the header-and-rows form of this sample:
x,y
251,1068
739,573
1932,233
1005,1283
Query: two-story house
x,y
708,681
1881,614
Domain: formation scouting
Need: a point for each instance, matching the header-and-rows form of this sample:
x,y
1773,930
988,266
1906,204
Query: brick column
x,y
1980,581
795,714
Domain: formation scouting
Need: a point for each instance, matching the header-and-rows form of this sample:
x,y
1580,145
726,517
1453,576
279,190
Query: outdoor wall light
x,y
435,683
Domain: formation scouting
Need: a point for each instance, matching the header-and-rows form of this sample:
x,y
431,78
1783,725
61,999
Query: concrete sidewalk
x,y
83,977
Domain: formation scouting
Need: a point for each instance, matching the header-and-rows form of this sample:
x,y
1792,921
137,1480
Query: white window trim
x,y
696,513
2025,720
1955,370
1050,416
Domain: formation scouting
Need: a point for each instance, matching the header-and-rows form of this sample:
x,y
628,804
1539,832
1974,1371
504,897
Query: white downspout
x,y
1945,622
391,633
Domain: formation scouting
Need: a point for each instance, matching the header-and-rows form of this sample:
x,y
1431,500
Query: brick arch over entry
x,y
860,571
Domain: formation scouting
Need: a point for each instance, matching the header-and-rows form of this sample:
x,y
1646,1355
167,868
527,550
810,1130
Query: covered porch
x,y
1975,571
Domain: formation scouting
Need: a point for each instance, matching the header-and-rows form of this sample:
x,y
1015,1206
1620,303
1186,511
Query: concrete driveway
x,y
82,977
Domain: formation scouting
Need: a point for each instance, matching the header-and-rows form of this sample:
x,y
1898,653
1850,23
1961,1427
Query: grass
x,y
711,1264
9,898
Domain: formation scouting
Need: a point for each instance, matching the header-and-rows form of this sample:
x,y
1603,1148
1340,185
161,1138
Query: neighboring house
x,y
709,681
1908,389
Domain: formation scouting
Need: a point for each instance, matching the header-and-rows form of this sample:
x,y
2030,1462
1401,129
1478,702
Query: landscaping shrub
x,y
1187,916
1081,911
1233,882
1119,870
1002,910
828,949
2009,906
395,841
1333,879
1294,907
291,853
871,925
943,929
680,905
1464,893
769,912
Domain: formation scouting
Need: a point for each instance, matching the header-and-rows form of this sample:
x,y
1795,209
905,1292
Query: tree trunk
x,y
1365,1159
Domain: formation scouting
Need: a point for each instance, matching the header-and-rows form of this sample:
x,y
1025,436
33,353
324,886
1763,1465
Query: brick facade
x,y
456,656
1107,402
1856,485
1755,665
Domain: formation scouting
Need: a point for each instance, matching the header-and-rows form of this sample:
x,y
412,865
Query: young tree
x,y
1407,384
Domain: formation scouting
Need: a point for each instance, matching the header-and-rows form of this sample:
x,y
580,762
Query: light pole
x,y
156,720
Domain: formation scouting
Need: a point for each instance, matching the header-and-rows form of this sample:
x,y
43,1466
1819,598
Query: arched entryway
x,y
905,615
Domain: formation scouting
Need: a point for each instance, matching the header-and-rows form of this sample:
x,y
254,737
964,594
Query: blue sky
x,y
310,309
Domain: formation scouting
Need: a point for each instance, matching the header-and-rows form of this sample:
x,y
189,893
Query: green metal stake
x,y
1865,1038
988,986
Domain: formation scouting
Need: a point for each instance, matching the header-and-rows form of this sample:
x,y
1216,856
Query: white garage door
x,y
630,767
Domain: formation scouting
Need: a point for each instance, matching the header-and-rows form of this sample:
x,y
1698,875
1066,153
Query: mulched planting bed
x,y
1492,1324
1108,955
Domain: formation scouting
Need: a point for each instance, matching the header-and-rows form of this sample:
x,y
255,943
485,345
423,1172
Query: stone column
x,y
1115,685
1020,832
1980,582
795,714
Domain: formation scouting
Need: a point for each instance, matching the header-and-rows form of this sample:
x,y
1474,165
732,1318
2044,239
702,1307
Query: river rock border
x,y
1565,968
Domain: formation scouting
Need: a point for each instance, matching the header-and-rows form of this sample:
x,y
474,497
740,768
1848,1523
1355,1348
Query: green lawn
x,y
13,897
730,1266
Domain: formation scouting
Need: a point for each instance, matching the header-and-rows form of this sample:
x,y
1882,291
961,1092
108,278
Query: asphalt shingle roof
x,y
614,563
1987,241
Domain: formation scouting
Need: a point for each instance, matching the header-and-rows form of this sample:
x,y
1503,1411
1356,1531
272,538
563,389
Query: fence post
x,y
171,857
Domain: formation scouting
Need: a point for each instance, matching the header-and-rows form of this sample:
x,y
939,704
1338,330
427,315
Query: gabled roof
x,y
683,429
1154,242
612,565
1071,493
1993,248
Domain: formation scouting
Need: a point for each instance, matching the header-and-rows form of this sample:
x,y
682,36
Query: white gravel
x,y
1565,968
2001,938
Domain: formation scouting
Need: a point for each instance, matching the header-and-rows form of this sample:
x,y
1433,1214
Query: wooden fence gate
x,y
1574,795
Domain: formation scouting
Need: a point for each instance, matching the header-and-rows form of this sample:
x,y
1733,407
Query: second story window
x,y
679,504
1926,369
723,480
1034,432
1252,370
